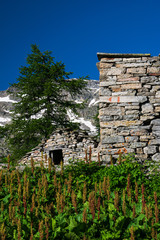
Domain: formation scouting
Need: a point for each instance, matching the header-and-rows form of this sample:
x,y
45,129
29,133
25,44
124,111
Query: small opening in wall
x,y
56,156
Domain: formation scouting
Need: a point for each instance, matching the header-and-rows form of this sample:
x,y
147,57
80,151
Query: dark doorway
x,y
56,156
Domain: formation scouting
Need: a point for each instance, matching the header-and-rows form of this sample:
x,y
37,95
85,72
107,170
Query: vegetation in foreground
x,y
83,201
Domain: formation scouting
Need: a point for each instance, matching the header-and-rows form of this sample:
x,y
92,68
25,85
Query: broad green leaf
x,y
111,207
72,224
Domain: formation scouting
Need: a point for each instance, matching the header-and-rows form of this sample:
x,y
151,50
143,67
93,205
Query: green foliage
x,y
110,210
42,88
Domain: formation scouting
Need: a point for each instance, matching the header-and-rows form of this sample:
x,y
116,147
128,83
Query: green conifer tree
x,y
42,89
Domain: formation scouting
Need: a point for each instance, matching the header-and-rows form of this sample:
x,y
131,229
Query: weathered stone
x,y
115,71
113,139
155,88
131,117
124,132
154,141
156,128
131,86
139,150
156,157
137,64
124,76
157,94
138,144
105,92
111,60
120,123
141,70
104,65
106,118
131,138
156,122
146,117
132,112
132,107
138,132
107,83
112,151
153,70
134,79
145,138
120,145
150,149
110,111
131,59
157,109
116,88
147,108
141,157
107,131
108,99
147,86
156,133
123,93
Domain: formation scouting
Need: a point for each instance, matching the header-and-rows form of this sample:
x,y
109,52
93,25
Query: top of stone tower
x,y
122,55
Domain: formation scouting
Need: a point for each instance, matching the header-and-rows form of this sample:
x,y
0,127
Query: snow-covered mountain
x,y
85,117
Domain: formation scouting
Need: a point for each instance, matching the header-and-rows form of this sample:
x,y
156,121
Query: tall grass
x,y
84,200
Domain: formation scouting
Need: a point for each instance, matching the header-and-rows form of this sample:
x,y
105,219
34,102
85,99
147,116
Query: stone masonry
x,y
72,144
129,108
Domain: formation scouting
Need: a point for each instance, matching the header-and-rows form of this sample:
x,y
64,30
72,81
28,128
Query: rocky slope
x,y
85,117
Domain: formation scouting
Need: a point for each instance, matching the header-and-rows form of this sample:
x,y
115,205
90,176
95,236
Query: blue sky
x,y
75,31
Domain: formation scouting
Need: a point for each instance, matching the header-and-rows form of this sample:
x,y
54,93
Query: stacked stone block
x,y
73,144
129,109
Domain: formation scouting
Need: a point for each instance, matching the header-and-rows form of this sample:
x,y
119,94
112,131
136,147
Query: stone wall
x,y
129,109
72,143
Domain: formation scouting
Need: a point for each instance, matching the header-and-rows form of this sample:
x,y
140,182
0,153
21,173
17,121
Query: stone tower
x,y
129,108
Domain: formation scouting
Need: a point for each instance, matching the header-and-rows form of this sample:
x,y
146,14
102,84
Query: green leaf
x,y
48,176
72,224
119,222
141,217
53,224
6,198
79,195
86,204
14,234
111,207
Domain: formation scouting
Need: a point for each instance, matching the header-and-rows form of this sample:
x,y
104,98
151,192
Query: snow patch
x,y
78,101
6,99
5,119
81,120
38,115
7,111
93,102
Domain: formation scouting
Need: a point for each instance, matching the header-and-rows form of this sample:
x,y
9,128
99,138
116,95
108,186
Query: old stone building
x,y
64,145
129,107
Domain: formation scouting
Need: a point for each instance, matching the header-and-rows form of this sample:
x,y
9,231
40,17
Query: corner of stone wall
x,y
129,108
